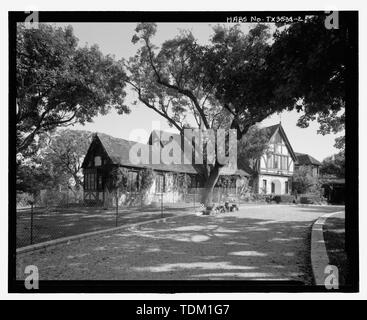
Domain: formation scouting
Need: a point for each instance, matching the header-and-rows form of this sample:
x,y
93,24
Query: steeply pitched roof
x,y
271,130
118,149
306,159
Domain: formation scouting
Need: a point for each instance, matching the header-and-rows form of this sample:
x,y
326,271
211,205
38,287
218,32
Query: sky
x,y
115,39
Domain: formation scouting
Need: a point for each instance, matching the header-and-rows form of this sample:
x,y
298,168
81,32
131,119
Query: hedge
x,y
311,199
285,198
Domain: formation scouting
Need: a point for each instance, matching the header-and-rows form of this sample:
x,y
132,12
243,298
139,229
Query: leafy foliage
x,y
59,83
57,162
225,84
146,176
333,166
251,147
309,62
66,150
305,182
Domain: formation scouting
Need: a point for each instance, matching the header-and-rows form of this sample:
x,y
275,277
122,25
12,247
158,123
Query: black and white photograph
x,y
178,152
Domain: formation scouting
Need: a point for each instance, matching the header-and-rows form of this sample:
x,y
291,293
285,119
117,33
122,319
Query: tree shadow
x,y
264,244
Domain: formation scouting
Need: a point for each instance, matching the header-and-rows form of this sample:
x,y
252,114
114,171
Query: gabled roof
x,y
272,130
118,149
306,159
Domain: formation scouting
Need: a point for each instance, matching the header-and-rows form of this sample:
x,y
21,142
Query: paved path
x,y
266,242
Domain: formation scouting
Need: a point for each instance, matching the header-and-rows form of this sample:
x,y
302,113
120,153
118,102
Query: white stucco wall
x,y
271,179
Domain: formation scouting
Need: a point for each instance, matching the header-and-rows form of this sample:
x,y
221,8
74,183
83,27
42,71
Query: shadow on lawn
x,y
224,248
266,244
54,223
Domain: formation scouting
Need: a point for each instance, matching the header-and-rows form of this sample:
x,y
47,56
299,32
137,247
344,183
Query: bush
x,y
285,198
311,199
24,200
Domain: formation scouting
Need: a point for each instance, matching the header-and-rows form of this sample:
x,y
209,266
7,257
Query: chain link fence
x,y
56,214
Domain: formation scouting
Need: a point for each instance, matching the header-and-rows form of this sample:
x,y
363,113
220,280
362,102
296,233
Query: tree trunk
x,y
207,195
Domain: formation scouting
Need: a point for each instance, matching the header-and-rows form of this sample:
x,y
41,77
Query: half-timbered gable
x,y
274,170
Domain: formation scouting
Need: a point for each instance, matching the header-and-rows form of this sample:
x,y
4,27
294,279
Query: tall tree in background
x,y
57,162
225,84
59,83
333,166
251,147
66,150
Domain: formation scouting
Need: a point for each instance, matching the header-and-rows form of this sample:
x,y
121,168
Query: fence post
x,y
162,205
194,200
31,223
117,206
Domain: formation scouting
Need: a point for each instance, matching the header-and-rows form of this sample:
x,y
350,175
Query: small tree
x,y
304,181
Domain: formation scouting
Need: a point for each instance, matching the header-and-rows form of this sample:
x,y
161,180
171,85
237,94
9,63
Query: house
x,y
107,153
304,159
272,173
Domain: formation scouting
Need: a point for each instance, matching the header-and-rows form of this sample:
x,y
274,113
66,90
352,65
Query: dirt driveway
x,y
265,242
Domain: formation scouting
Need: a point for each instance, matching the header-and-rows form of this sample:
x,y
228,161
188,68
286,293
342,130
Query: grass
x,y
334,235
54,223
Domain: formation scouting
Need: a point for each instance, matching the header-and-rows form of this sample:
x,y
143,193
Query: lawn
x,y
334,236
54,223
256,243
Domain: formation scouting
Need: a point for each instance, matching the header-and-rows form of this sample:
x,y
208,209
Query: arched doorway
x,y
276,187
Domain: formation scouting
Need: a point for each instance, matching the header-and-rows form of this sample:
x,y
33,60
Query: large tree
x,y
225,84
59,83
238,80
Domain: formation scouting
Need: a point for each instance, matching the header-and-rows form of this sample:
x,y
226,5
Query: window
x,y
90,180
284,163
265,186
100,184
286,187
270,161
272,187
193,181
277,148
276,162
315,171
160,183
97,161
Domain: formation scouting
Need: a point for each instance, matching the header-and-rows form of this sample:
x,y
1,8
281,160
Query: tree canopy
x,y
57,162
309,63
238,80
333,166
59,83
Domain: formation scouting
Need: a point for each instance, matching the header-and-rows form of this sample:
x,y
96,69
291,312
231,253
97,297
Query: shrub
x,y
285,198
24,199
311,198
